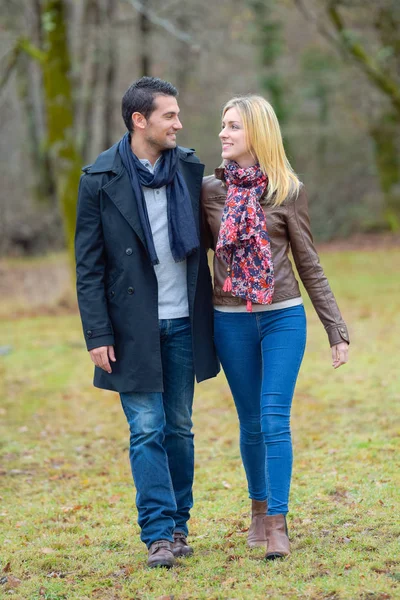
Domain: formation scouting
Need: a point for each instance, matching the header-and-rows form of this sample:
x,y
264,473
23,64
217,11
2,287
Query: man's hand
x,y
102,356
340,354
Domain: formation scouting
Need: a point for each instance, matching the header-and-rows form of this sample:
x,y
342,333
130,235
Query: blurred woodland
x,y
331,69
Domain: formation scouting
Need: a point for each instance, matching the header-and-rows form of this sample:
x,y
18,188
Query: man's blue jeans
x,y
261,354
161,441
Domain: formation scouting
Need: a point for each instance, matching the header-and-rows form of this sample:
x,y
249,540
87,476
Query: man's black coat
x,y
117,285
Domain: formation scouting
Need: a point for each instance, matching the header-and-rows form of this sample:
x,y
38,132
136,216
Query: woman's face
x,y
233,139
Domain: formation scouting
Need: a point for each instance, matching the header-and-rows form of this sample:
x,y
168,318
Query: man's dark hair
x,y
139,97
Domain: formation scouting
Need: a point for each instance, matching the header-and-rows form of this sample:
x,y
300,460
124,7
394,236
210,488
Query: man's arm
x,y
90,268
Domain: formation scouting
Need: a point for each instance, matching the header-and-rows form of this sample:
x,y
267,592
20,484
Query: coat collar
x,y
110,160
119,188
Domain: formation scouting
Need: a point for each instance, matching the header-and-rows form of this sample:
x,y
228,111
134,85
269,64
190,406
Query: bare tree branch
x,y
10,65
381,79
22,45
324,32
183,36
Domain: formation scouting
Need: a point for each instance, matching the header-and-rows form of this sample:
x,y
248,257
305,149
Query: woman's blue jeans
x,y
261,354
161,441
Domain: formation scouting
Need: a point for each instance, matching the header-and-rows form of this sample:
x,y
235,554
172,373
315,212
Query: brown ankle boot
x,y
256,536
161,555
277,536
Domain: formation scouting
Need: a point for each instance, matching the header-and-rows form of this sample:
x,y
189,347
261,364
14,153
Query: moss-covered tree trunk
x,y
384,132
385,135
62,145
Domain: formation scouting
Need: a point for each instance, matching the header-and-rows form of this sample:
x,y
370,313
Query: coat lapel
x,y
119,190
193,176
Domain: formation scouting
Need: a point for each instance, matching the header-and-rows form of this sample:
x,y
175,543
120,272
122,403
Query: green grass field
x,y
67,515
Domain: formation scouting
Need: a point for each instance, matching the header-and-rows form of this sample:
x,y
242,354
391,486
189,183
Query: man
x,y
144,293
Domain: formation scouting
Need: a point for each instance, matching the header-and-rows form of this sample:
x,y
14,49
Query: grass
x,y
67,516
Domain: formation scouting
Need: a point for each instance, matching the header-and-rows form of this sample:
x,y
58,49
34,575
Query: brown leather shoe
x,y
277,536
161,555
257,536
180,547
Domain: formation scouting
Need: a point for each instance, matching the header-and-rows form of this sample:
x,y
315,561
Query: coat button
x,y
128,251
112,293
89,333
130,290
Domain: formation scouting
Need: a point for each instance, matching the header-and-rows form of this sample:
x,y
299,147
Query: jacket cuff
x,y
95,338
337,334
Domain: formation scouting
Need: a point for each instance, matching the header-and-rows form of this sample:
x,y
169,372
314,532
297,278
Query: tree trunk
x,y
29,88
270,40
91,62
110,76
385,135
145,32
183,57
65,158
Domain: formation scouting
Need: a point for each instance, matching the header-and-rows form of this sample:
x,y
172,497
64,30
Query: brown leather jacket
x,y
289,228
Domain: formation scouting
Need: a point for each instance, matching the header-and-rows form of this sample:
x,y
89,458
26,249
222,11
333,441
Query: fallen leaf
x,y
68,509
226,485
125,571
42,591
12,582
7,568
47,550
84,541
114,499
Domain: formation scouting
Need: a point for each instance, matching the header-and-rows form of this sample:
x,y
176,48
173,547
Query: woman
x,y
255,211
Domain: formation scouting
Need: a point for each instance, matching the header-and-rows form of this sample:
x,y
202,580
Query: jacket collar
x,y
219,174
119,188
110,160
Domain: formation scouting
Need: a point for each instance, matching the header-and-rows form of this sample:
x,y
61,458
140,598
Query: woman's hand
x,y
340,354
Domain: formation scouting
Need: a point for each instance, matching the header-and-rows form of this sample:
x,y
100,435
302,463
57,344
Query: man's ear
x,y
138,120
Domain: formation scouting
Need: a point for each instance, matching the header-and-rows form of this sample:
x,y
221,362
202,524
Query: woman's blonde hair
x,y
264,141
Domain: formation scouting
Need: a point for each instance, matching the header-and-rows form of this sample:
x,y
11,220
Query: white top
x,y
241,308
171,276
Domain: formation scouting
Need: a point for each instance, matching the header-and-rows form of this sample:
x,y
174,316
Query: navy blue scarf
x,y
183,238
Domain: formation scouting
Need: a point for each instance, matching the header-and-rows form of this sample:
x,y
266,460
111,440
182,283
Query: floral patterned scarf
x,y
243,240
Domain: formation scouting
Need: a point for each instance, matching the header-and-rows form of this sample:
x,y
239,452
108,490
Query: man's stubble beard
x,y
158,146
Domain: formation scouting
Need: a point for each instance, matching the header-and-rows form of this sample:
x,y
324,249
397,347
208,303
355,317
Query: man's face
x,y
163,124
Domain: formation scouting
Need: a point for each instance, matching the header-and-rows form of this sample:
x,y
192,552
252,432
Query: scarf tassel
x,y
228,284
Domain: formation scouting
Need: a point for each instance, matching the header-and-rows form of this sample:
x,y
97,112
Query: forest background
x,y
330,68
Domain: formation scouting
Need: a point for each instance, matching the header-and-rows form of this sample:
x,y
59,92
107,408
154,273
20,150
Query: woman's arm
x,y
314,279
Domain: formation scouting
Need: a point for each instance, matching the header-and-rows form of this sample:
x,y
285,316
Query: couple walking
x,y
153,320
